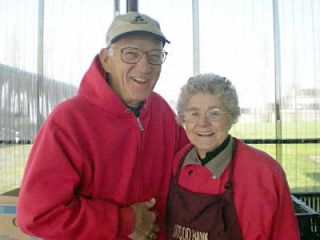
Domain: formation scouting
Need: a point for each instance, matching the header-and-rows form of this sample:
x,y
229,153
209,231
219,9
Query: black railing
x,y
311,199
308,219
12,142
248,141
282,141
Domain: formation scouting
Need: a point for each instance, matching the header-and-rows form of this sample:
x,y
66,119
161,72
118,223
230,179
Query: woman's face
x,y
206,122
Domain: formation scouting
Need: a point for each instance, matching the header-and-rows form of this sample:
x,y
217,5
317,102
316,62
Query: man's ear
x,y
104,58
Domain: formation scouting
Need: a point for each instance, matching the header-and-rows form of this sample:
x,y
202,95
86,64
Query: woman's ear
x,y
104,58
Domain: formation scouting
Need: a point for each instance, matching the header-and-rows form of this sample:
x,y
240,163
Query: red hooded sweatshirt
x,y
92,159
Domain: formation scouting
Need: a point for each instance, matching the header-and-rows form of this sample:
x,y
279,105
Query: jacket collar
x,y
95,89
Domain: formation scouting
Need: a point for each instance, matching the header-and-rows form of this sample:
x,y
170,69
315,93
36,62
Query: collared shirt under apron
x,y
201,216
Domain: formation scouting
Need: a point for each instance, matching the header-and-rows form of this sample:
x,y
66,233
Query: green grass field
x,y
301,162
12,162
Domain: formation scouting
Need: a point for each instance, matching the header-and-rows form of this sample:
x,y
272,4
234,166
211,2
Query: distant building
x,y
26,99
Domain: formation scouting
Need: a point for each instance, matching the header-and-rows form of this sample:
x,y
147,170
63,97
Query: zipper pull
x,y
140,124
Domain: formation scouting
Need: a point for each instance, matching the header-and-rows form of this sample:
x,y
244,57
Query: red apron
x,y
199,216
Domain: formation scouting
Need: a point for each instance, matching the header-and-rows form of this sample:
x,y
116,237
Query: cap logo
x,y
139,20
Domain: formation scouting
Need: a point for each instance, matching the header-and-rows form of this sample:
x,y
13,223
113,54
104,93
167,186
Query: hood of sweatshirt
x,y
96,90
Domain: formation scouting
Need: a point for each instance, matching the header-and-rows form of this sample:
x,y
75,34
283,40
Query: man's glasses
x,y
213,115
133,55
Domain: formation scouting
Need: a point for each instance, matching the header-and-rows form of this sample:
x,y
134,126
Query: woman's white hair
x,y
215,85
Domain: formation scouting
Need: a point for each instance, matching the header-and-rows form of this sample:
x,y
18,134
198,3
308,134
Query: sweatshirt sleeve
x,y
50,205
285,225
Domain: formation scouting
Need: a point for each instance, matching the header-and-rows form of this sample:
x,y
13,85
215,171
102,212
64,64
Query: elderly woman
x,y
222,187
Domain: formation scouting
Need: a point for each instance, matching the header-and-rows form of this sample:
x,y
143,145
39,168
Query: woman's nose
x,y
203,120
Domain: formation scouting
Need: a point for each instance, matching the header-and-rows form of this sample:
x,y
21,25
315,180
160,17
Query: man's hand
x,y
144,227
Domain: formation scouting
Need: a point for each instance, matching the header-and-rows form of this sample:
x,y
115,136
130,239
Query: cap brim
x,y
164,40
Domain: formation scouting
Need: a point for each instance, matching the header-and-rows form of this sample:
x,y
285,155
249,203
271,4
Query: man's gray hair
x,y
212,84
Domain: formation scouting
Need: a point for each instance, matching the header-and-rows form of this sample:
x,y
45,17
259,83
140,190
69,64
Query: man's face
x,y
132,82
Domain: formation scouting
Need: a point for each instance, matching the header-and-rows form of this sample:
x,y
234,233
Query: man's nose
x,y
143,63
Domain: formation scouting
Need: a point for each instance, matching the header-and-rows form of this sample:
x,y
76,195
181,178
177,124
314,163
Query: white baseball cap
x,y
133,22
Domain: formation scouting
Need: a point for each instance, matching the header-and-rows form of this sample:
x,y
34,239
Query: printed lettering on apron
x,y
187,233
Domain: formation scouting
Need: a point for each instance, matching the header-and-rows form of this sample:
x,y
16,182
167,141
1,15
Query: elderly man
x,y
101,164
